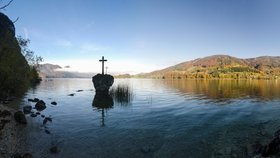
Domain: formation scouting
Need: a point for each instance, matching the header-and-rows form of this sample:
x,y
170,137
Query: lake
x,y
164,118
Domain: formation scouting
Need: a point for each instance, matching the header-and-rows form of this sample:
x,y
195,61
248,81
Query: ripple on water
x,y
163,119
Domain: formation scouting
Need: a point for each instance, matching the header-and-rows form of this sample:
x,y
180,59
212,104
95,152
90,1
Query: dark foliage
x,y
15,72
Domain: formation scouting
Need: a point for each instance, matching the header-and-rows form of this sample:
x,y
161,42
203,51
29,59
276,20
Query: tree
x,y
32,59
6,5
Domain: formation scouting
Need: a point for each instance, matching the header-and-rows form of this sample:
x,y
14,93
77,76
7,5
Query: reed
x,y
122,93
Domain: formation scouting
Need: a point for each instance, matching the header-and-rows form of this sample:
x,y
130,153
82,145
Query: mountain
x,y
265,63
221,66
56,71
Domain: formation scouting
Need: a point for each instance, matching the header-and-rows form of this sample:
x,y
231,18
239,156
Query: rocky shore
x,y
9,137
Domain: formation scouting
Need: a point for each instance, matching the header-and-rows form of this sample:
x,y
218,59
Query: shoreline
x,y
10,140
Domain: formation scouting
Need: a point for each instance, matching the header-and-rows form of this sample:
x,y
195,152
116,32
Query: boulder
x,y
40,105
20,117
102,83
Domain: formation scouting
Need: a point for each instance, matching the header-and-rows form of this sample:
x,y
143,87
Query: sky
x,y
144,35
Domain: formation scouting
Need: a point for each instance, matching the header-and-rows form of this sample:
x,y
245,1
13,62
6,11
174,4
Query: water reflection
x,y
225,90
102,102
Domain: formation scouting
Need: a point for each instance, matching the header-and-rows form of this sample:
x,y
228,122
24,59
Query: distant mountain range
x,y
221,66
56,71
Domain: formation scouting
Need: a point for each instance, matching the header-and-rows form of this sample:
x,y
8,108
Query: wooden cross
x,y
103,60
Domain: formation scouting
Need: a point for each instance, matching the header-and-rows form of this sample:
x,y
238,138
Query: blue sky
x,y
144,35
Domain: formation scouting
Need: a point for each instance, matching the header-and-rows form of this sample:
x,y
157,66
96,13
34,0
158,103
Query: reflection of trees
x,y
229,89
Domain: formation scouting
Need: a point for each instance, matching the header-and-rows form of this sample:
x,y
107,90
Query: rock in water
x,y
54,103
20,117
40,105
27,109
33,115
36,99
102,83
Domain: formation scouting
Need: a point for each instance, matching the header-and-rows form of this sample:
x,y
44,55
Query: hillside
x,y
56,71
14,69
222,66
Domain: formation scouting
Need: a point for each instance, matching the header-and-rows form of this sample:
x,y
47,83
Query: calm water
x,y
217,118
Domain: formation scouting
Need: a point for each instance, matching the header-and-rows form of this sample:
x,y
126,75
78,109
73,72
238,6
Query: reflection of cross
x,y
103,60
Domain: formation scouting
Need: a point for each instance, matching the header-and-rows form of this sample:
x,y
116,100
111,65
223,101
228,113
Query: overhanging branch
x,y
6,5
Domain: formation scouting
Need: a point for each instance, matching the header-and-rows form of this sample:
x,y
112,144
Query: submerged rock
x,y
48,119
40,105
45,121
47,131
20,117
102,83
54,103
147,149
31,100
27,109
71,94
33,115
54,150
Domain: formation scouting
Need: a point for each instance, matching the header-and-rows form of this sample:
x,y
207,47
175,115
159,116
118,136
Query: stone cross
x,y
103,60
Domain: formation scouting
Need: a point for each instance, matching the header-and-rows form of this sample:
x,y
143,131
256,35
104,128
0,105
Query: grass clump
x,y
122,93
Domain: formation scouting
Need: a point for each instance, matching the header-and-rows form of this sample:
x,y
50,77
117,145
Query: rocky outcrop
x,y
102,83
14,69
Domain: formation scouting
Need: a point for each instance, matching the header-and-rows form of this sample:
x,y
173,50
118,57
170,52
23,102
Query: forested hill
x,y
222,66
